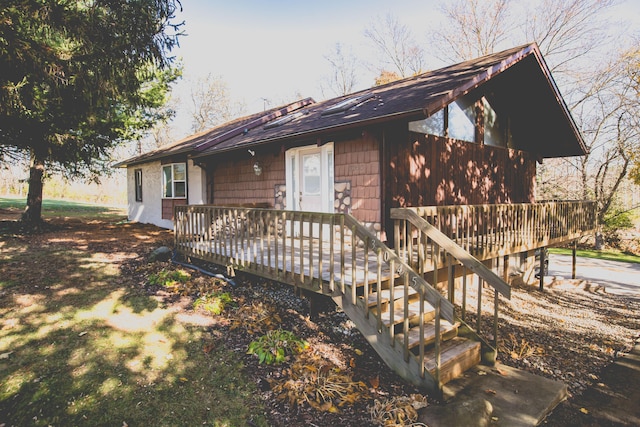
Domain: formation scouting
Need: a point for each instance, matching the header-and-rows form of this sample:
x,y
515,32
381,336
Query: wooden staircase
x,y
409,323
382,319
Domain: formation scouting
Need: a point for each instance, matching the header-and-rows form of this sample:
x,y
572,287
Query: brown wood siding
x,y
428,170
234,182
358,161
168,205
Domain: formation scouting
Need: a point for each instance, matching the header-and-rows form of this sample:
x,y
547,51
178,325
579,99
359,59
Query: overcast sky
x,y
272,50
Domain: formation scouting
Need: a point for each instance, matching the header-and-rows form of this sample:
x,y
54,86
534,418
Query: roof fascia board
x,y
478,80
149,157
559,99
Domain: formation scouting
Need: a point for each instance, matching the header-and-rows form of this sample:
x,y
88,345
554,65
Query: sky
x,y
269,52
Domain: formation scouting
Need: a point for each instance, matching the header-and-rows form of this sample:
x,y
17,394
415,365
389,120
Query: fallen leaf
x,y
358,352
584,410
5,355
352,362
83,333
375,381
489,391
183,379
502,372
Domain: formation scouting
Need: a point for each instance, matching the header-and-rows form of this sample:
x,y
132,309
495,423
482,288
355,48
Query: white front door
x,y
310,179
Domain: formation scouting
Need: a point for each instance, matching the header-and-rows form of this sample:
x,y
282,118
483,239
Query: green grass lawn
x,y
63,208
82,343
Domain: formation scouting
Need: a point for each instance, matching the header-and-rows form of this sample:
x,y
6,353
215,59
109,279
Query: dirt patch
x,y
567,333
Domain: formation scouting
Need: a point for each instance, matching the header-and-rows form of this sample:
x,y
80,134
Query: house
x,y
470,133
442,161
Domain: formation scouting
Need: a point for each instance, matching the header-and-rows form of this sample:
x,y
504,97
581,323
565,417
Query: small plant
x,y
169,278
398,411
520,349
274,346
319,384
214,303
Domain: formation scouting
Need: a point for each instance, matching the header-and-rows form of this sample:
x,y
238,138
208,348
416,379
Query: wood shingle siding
x,y
358,161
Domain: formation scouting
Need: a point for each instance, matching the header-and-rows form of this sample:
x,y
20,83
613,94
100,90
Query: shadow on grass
x,y
80,347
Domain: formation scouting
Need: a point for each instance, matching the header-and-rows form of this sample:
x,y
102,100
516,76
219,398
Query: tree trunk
x,y
32,215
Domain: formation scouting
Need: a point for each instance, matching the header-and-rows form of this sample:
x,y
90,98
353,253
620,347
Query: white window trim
x,y
173,181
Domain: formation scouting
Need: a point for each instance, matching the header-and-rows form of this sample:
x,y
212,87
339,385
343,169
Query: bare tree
x,y
344,67
212,103
472,28
567,30
610,129
572,35
396,46
634,75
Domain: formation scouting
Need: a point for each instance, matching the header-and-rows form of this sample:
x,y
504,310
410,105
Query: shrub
x,y
274,346
214,303
169,278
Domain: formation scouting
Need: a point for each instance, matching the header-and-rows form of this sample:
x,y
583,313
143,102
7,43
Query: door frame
x,y
327,181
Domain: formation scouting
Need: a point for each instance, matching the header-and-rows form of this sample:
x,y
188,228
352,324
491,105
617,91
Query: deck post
x,y
574,249
542,272
505,268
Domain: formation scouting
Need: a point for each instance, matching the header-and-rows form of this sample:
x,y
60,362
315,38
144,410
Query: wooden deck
x,y
390,294
305,260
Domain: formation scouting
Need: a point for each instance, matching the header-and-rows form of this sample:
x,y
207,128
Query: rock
x,y
473,412
163,253
339,187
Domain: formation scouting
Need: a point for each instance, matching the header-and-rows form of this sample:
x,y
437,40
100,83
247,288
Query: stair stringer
x,y
382,343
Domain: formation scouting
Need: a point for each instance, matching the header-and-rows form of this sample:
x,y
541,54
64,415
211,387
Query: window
x,y
282,120
432,125
311,178
462,122
174,181
138,178
496,132
347,104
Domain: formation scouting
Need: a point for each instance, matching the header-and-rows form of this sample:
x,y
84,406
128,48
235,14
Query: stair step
x,y
447,332
398,313
385,279
456,356
385,295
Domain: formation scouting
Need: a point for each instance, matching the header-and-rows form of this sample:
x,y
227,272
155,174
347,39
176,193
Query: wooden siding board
x,y
457,172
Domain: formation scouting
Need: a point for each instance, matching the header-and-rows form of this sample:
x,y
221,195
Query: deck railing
x,y
432,252
332,254
307,249
491,231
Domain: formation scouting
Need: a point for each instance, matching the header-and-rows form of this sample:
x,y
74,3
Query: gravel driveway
x,y
618,278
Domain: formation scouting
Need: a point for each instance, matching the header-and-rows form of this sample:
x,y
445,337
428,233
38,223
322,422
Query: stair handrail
x,y
451,247
416,281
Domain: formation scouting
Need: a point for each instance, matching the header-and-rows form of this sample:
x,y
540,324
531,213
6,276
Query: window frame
x,y
137,177
173,181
